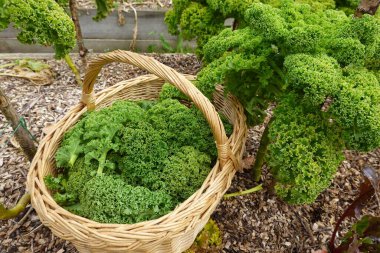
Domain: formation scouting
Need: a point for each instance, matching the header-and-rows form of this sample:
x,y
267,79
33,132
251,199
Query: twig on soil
x,y
35,229
18,225
306,227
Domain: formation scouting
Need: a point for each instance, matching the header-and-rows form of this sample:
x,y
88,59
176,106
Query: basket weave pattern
x,y
174,232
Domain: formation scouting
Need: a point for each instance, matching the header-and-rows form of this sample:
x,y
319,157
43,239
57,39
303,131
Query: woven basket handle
x,y
168,74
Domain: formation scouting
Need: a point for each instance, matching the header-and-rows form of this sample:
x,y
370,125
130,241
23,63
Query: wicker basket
x,y
174,232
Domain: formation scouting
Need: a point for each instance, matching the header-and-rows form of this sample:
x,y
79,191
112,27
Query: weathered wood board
x,y
105,35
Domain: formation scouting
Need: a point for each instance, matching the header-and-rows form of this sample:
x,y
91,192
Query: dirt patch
x,y
258,222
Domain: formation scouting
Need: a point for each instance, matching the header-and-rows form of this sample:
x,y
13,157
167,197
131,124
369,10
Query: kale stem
x,y
16,210
74,69
277,70
102,161
73,158
260,156
240,193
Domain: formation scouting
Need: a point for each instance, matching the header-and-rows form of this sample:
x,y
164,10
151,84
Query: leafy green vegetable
x,y
184,172
180,126
320,66
304,154
144,152
109,199
103,8
208,240
132,161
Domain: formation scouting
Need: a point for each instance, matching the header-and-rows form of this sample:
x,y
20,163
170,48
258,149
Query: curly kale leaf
x,y
102,131
171,92
55,183
143,154
180,126
266,20
108,199
103,8
71,147
316,77
185,172
356,109
303,154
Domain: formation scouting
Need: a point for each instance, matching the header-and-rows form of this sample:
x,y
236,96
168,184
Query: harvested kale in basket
x,y
133,161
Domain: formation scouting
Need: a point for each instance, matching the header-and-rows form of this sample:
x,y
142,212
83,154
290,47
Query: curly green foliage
x,y
184,172
268,20
173,16
250,61
319,55
65,199
180,126
98,134
320,4
41,22
54,183
202,19
77,179
356,109
230,8
62,3
193,20
122,164
71,147
59,185
103,8
171,92
208,240
143,155
317,77
240,60
303,153
108,199
348,6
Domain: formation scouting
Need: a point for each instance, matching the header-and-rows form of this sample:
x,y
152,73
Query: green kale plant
x,y
203,19
319,65
132,161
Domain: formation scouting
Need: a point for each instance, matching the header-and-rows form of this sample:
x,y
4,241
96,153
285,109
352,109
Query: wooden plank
x,y
12,45
150,26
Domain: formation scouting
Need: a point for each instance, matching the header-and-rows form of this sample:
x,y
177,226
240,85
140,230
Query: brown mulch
x,y
259,222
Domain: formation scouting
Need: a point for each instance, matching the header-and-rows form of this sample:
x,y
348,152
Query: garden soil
x,y
258,222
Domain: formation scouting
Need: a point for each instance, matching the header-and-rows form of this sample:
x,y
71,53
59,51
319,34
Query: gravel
x,y
258,222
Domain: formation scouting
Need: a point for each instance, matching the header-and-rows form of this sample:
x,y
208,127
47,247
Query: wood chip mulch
x,y
259,222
